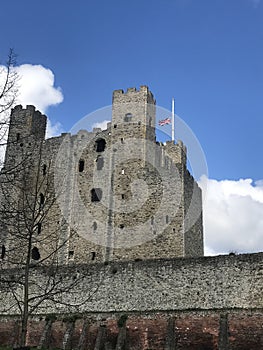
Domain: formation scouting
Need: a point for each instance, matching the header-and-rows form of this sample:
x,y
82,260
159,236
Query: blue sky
x,y
208,54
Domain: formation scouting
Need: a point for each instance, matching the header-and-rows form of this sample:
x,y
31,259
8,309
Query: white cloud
x,y
36,87
102,125
233,219
53,129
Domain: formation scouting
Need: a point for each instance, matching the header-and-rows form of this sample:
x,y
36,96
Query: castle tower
x,y
20,172
136,108
27,127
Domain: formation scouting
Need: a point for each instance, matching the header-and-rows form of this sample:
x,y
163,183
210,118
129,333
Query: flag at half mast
x,y
164,121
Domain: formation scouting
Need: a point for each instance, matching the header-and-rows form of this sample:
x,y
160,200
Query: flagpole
x,y
172,119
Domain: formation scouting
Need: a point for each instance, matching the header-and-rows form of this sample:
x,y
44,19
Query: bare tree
x,y
8,94
8,83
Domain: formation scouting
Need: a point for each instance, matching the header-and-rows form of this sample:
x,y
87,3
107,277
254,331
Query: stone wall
x,y
209,283
196,304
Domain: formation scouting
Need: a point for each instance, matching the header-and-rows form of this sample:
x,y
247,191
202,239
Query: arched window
x,y
96,194
100,162
81,165
128,117
35,253
100,145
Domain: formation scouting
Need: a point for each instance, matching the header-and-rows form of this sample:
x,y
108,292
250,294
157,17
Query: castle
x,y
109,224
119,195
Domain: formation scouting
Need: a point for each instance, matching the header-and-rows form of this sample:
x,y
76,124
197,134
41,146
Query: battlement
x,y
29,108
27,127
130,92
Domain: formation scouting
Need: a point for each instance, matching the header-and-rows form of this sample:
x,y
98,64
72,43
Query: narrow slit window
x,y
167,219
44,169
81,165
41,199
3,250
39,228
94,226
18,136
93,256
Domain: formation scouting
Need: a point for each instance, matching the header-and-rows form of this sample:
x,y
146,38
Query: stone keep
x,y
106,195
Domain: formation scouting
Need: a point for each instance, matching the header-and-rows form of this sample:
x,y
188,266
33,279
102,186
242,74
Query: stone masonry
x,y
113,194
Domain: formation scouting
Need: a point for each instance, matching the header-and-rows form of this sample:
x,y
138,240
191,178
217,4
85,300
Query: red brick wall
x,y
239,330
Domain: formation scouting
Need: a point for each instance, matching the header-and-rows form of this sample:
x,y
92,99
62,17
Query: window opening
x,y
3,250
115,126
167,219
122,196
128,117
35,254
100,145
122,140
39,227
122,171
95,226
42,199
121,226
18,136
44,169
81,165
71,254
100,162
152,220
93,255
96,194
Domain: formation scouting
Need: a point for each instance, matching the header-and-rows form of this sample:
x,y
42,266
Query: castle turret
x,y
27,127
136,107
